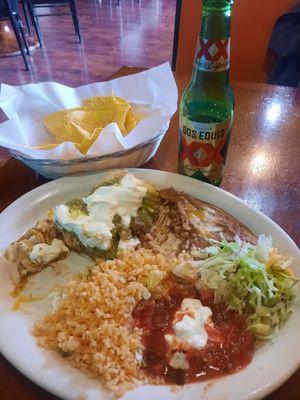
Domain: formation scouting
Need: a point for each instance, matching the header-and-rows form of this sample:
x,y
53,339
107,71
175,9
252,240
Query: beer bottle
x,y
207,105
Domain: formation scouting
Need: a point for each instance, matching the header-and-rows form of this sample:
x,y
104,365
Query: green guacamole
x,y
111,182
77,207
146,215
139,225
111,252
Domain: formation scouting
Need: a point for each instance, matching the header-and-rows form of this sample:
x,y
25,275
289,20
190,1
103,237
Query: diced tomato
x,y
228,349
214,334
179,315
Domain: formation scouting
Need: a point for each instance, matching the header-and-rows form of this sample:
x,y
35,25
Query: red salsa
x,y
229,346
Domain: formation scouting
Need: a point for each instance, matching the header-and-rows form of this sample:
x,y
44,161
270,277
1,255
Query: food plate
x,y
272,364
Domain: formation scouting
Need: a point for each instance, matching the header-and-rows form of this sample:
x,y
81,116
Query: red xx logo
x,y
202,154
213,50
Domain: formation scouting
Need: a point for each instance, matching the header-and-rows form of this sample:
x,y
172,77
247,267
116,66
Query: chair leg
x,y
21,29
25,15
14,23
35,22
75,19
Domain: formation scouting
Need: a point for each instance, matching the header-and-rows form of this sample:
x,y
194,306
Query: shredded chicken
x,y
44,232
40,239
185,223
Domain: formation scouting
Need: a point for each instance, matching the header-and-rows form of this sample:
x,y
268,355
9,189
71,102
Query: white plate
x,y
270,367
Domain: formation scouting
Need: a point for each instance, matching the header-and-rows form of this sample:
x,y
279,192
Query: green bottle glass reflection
x,y
207,105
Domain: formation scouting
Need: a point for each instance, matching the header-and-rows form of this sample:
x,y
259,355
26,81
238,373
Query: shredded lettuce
x,y
250,279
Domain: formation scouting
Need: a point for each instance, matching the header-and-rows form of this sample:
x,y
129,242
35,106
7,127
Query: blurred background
x,y
88,40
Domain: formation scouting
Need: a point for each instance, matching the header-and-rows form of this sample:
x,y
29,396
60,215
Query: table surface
x,y
262,168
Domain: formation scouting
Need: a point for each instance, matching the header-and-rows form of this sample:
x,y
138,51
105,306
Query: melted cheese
x,y
95,229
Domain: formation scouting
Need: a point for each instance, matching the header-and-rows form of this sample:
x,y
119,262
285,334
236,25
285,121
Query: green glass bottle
x,y
207,105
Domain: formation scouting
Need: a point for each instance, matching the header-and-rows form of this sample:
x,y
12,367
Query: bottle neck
x,y
212,57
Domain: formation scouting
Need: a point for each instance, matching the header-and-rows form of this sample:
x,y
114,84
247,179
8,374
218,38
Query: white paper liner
x,y
152,94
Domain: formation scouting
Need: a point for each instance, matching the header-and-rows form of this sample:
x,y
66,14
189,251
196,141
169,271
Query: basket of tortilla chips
x,y
60,131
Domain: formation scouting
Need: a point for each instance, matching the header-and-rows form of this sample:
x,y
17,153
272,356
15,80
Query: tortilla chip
x,y
62,129
89,120
118,106
120,117
97,103
83,125
84,146
130,122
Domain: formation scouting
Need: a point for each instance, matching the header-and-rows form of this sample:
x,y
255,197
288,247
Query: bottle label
x,y
212,55
203,148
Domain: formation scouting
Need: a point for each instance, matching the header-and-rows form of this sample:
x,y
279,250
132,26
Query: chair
x,y
32,5
23,3
9,11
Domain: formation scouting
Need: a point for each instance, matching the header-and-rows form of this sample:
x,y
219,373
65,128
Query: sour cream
x,y
189,324
94,229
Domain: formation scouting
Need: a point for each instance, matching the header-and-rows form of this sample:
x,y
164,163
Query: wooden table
x,y
262,168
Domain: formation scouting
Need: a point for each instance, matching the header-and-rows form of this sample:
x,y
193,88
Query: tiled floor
x,y
134,33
